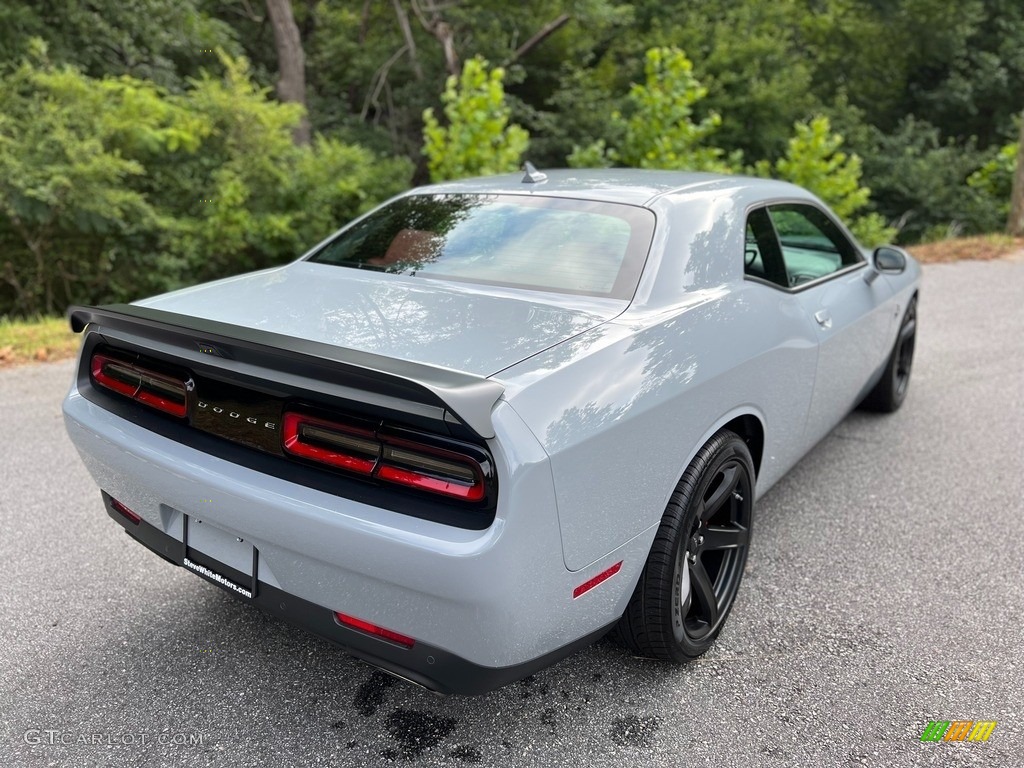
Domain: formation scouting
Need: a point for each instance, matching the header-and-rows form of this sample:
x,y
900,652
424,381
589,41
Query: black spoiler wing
x,y
464,397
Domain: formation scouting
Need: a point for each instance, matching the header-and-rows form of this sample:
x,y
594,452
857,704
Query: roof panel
x,y
623,185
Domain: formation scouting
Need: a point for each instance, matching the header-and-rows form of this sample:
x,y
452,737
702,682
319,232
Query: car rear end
x,y
358,469
340,491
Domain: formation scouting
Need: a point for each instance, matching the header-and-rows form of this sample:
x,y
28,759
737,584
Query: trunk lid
x,y
478,329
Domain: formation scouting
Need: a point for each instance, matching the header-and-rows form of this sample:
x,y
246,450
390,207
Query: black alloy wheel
x,y
891,390
696,563
905,351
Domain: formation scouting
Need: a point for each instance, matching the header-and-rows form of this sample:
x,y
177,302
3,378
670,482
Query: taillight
x,y
373,629
157,390
385,457
447,474
330,443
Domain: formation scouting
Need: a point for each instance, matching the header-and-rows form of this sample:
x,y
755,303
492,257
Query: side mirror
x,y
889,260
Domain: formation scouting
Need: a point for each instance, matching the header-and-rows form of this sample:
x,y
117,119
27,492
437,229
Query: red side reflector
x,y
125,512
373,629
588,585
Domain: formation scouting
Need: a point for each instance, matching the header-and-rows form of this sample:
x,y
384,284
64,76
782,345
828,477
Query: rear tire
x,y
891,390
696,563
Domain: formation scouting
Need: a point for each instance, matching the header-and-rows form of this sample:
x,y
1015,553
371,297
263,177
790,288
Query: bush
x,y
920,181
994,178
478,139
814,160
113,188
660,131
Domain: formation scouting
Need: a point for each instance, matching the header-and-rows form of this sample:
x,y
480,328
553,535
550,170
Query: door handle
x,y
824,318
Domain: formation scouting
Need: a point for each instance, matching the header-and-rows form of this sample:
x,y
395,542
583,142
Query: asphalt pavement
x,y
884,590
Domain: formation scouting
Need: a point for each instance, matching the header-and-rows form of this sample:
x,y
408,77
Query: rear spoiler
x,y
461,396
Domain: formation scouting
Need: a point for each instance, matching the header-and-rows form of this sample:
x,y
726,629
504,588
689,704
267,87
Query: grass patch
x,y
980,248
36,339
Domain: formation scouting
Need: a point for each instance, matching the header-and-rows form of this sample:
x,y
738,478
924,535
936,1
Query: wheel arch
x,y
655,614
751,430
745,421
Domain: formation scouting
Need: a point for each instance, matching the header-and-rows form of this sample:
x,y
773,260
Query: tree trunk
x,y
1015,224
291,62
410,41
440,29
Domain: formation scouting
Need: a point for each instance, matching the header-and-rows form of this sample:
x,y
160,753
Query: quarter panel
x,y
622,409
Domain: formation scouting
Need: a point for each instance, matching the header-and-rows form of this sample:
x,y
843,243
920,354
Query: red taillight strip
x,y
604,575
100,374
473,492
395,460
140,384
373,629
293,443
164,404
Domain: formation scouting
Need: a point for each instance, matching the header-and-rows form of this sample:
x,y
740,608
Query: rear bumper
x,y
433,668
485,607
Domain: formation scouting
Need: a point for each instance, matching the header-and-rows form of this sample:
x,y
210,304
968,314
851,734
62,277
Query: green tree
x,y
754,60
660,131
163,41
113,188
71,152
954,65
920,180
995,176
373,68
251,198
478,139
814,160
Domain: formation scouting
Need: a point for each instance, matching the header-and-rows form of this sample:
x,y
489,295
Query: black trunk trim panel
x,y
267,457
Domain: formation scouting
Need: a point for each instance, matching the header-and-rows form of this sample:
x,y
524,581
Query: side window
x,y
812,245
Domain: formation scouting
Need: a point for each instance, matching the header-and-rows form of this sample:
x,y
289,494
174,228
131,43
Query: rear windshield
x,y
541,243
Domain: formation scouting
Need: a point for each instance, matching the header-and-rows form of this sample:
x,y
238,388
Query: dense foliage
x,y
142,147
477,140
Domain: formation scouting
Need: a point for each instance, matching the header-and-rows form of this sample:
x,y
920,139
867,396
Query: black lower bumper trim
x,y
425,665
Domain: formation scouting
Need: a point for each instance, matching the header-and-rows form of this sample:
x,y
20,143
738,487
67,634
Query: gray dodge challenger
x,y
492,420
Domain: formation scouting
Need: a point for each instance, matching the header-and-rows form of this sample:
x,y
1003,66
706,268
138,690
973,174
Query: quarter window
x,y
791,244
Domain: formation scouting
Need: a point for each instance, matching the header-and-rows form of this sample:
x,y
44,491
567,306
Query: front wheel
x,y
693,572
891,390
